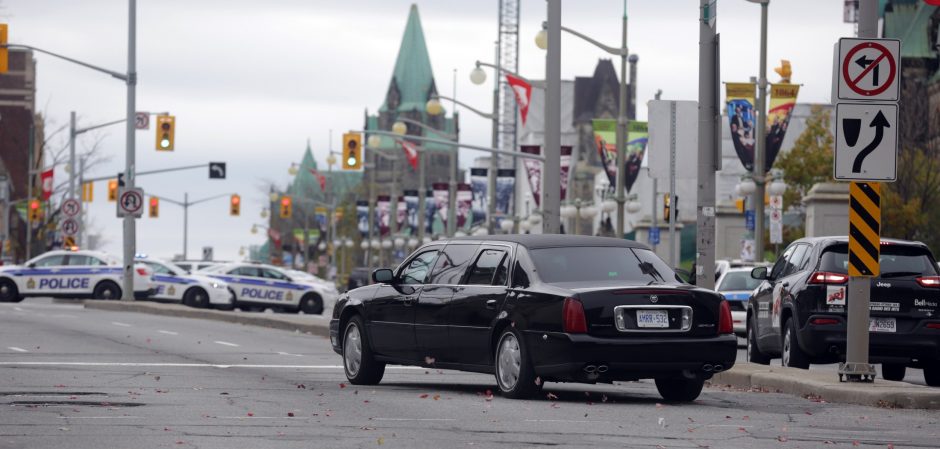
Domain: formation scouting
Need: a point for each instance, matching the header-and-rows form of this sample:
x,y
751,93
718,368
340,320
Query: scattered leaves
x,y
342,385
302,386
423,396
290,414
782,439
251,414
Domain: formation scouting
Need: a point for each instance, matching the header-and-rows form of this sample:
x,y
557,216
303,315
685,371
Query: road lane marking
x,y
287,353
117,323
14,348
191,365
573,421
414,419
168,332
99,417
225,343
259,417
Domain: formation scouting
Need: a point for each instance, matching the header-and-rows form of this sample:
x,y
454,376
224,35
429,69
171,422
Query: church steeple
x,y
412,80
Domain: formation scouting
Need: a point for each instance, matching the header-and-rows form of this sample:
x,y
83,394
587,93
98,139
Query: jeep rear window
x,y
895,259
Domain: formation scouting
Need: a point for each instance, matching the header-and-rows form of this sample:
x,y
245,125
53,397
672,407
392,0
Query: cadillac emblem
x,y
654,299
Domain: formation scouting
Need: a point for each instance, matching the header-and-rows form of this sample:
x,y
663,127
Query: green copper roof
x,y
909,22
388,143
307,185
412,74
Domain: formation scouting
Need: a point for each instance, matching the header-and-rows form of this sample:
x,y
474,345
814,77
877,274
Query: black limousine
x,y
537,308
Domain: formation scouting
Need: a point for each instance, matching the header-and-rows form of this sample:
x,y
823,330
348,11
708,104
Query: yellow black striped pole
x,y
864,228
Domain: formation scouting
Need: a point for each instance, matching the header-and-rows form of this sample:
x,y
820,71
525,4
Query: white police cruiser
x,y
259,286
71,274
172,283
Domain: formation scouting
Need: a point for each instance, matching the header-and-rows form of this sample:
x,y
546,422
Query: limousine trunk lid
x,y
650,310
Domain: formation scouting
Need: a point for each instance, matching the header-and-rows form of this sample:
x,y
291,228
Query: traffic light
x,y
352,151
88,192
112,190
236,206
667,209
154,207
166,129
286,207
4,52
35,211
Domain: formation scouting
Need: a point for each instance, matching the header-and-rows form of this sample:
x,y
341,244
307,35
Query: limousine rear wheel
x,y
680,389
358,361
514,374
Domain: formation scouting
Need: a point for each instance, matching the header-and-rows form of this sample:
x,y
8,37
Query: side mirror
x,y
383,276
759,273
32,265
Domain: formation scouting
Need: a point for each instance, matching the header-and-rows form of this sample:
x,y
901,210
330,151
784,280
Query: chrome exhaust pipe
x,y
719,368
601,369
590,369
707,367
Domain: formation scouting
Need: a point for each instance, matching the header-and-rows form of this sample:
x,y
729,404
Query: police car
x,y
260,286
71,274
195,290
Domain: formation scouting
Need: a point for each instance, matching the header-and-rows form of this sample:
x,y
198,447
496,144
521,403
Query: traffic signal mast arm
x,y
151,172
120,76
191,203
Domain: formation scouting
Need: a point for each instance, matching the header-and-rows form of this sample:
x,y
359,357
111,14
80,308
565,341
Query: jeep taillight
x,y
827,277
573,320
929,281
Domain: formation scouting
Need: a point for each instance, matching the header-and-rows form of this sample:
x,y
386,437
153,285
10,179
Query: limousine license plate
x,y
652,318
882,325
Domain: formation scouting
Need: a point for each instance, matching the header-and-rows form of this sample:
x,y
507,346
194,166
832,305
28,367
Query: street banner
x,y
565,163
430,211
411,210
411,153
505,189
320,215
442,199
533,169
479,184
782,101
46,178
464,201
605,140
523,93
320,178
382,213
739,98
362,217
402,214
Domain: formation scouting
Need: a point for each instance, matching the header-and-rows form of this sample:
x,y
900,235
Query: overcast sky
x,y
250,81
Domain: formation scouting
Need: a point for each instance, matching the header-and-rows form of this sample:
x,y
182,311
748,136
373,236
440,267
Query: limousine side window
x,y
452,263
417,270
484,270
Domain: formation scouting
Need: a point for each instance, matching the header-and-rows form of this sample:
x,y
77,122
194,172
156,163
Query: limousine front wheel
x,y
514,374
361,367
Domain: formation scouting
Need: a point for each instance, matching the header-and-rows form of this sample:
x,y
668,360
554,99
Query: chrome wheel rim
x,y
749,330
508,362
107,293
352,350
786,348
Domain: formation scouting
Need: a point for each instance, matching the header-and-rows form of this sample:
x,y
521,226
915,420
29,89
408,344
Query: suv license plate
x,y
882,325
652,318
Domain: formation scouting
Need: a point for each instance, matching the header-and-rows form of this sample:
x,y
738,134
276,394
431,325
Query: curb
x,y
817,385
291,323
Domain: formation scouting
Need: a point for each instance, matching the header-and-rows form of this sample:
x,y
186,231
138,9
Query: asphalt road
x,y
77,378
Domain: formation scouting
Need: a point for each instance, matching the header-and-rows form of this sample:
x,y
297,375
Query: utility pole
x,y
130,226
708,147
623,126
494,159
72,155
551,172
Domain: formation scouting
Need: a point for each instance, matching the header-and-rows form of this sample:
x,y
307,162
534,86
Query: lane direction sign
x,y
71,207
866,142
131,202
868,69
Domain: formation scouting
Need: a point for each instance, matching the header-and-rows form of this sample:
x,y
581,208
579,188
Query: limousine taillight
x,y
725,324
573,318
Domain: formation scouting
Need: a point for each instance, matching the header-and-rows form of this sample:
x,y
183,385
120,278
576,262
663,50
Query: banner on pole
x,y
782,102
739,98
362,217
479,187
605,140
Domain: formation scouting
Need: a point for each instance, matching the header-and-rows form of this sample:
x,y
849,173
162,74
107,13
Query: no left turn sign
x,y
70,227
868,69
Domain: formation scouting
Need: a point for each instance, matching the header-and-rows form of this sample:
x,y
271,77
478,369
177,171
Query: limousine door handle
x,y
409,301
491,304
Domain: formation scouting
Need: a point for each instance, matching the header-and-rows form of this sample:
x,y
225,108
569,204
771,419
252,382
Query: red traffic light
x,y
34,204
154,202
236,199
285,201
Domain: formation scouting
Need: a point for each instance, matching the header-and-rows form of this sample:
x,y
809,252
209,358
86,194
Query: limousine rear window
x,y
576,264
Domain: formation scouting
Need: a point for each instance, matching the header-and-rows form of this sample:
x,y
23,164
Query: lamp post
x,y
478,76
550,39
760,146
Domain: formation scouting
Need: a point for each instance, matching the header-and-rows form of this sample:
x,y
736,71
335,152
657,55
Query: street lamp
x,y
551,31
374,142
760,145
264,212
477,76
400,128
292,170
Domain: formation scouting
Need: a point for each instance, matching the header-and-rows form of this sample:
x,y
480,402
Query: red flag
x,y
46,178
411,152
320,178
523,91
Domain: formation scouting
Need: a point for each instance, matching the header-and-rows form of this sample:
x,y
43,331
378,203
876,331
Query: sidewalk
x,y
825,386
311,324
813,385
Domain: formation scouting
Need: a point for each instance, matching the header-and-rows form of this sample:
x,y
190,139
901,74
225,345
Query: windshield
x,y
895,260
579,264
738,281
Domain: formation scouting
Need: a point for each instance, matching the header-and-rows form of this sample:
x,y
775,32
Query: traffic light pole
x,y
185,204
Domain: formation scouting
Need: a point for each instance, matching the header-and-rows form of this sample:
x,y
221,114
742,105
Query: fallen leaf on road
x,y
380,441
366,428
302,386
423,396
782,439
290,414
342,385
251,414
437,397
